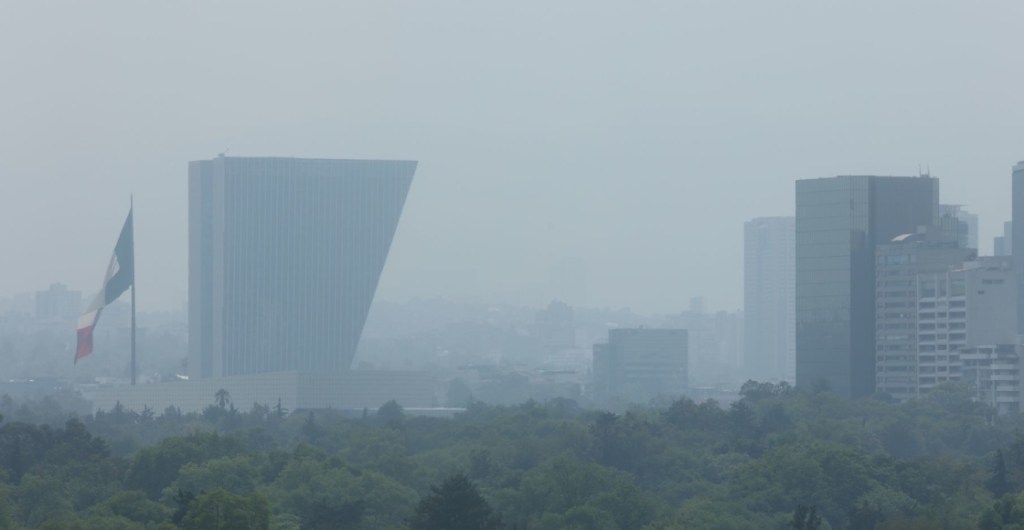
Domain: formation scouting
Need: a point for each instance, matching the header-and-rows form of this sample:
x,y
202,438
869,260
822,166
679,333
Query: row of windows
x,y
942,314
941,336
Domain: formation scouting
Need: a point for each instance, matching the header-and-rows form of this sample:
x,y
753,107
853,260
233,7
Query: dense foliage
x,y
777,458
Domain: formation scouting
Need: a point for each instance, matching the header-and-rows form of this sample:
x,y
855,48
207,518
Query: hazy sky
x,y
616,147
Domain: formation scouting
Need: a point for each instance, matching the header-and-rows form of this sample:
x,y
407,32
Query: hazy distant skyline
x,y
624,143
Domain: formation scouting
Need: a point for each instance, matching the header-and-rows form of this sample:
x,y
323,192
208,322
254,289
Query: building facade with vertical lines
x,y
284,258
768,298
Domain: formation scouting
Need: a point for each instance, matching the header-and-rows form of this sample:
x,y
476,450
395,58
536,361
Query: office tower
x,y
284,259
1003,245
58,303
899,265
959,225
1017,237
839,222
639,364
769,290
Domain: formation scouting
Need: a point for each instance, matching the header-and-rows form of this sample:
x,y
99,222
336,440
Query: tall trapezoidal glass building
x,y
284,259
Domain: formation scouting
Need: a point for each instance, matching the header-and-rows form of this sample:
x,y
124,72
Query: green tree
x,y
999,482
222,397
391,413
220,510
805,518
454,505
133,506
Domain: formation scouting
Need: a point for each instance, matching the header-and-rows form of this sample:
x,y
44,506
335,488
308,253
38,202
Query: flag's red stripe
x,y
84,342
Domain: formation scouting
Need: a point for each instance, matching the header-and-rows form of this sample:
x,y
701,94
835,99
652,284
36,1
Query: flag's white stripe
x,y
87,319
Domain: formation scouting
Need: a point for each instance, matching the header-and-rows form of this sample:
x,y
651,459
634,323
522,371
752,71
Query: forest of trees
x,y
776,459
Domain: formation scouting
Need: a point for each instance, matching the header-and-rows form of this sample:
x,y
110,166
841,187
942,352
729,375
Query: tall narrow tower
x,y
1017,243
768,298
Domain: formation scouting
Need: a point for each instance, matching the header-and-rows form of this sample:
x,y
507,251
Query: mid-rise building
x,y
932,309
966,307
839,223
284,259
637,365
993,373
769,291
899,265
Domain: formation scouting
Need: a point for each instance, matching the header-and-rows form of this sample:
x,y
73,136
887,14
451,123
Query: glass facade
x,y
768,291
1017,238
839,221
284,259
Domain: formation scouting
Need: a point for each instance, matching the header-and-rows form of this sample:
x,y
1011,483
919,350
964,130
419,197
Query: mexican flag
x,y
120,276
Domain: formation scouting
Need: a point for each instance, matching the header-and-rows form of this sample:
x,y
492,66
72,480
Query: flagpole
x,y
132,210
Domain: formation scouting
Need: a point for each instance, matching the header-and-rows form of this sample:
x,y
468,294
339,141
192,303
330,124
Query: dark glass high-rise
x,y
839,221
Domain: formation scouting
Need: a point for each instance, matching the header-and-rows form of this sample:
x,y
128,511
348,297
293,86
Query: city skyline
x,y
534,151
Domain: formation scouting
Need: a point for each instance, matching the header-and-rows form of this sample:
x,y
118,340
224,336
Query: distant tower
x,y
1017,238
959,225
839,221
769,290
1003,245
58,303
284,259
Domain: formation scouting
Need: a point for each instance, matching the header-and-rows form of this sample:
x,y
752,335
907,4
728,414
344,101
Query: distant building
x,y
1003,245
639,364
839,222
715,344
58,303
353,390
769,291
284,259
555,327
899,268
1017,238
990,361
938,319
959,225
698,304
993,373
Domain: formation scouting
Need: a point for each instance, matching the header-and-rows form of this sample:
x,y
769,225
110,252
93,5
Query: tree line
x,y
777,458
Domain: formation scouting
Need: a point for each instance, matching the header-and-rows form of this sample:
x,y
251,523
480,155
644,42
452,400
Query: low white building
x,y
354,390
993,375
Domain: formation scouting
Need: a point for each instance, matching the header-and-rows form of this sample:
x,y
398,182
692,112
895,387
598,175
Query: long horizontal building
x,y
353,390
